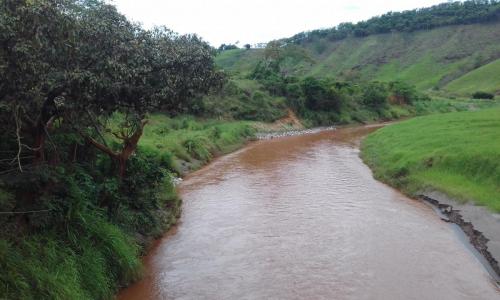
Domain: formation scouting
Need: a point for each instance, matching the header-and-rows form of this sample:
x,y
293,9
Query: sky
x,y
256,21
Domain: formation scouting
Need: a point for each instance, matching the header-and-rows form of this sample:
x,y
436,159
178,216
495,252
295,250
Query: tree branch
x,y
100,146
18,134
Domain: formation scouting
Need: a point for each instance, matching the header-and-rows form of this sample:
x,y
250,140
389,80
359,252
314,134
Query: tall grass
x,y
49,266
185,139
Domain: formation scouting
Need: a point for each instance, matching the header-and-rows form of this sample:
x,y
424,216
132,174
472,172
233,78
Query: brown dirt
x,y
289,122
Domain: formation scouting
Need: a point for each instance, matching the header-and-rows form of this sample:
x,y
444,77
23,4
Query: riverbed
x,y
302,217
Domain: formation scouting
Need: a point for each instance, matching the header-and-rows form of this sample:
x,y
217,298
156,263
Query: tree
x,y
68,65
321,95
247,46
402,93
224,47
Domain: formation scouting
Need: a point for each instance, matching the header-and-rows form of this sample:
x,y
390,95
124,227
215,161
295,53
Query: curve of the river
x,y
302,218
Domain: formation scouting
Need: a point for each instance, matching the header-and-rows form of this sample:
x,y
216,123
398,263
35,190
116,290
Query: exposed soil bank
x,y
478,223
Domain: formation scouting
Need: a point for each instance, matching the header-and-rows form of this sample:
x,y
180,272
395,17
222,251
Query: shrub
x,y
402,93
482,95
375,95
321,95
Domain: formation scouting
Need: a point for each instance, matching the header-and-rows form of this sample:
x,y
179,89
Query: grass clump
x,y
455,153
185,143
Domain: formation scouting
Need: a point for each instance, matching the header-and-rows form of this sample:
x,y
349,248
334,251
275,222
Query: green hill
x,y
458,58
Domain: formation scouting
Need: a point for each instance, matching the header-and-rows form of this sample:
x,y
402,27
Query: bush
x,y
402,93
375,95
321,95
482,95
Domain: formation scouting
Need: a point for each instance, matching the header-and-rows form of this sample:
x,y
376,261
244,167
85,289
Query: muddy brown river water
x,y
302,218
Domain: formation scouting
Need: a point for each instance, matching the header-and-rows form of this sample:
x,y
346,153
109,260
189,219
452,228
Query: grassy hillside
x,y
427,58
485,78
239,61
456,153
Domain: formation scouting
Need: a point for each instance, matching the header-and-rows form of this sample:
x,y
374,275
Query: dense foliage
x,y
67,65
449,13
325,100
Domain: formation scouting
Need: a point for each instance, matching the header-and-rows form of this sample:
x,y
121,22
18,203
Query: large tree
x,y
70,64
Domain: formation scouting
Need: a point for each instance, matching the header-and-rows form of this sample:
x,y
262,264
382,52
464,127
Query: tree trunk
x,y
39,146
129,147
48,114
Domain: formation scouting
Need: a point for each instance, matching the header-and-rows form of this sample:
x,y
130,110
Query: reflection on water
x,y
302,218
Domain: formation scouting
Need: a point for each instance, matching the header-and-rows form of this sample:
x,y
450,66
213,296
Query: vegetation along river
x,y
302,218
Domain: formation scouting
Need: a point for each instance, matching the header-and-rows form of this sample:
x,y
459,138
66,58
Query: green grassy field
x,y
455,153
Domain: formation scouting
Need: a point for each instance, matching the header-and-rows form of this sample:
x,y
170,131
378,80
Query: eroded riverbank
x,y
300,218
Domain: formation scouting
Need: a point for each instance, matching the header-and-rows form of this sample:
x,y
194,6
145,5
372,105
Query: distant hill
x,y
460,58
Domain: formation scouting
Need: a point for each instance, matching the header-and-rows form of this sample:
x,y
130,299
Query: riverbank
x,y
451,159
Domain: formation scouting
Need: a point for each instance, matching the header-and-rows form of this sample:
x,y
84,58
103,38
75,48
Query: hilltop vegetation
x,y
455,153
444,14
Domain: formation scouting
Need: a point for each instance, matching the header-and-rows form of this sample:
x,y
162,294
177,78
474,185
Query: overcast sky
x,y
254,21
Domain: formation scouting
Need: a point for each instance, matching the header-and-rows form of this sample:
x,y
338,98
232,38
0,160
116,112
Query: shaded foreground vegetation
x,y
72,246
455,153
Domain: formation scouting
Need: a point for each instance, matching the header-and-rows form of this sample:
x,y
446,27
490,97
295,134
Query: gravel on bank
x,y
278,134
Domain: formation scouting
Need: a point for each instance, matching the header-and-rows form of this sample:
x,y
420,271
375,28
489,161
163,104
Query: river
x,y
303,218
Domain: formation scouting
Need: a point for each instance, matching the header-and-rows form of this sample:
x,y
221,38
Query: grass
x,y
455,153
426,73
239,61
185,141
485,78
244,99
90,265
